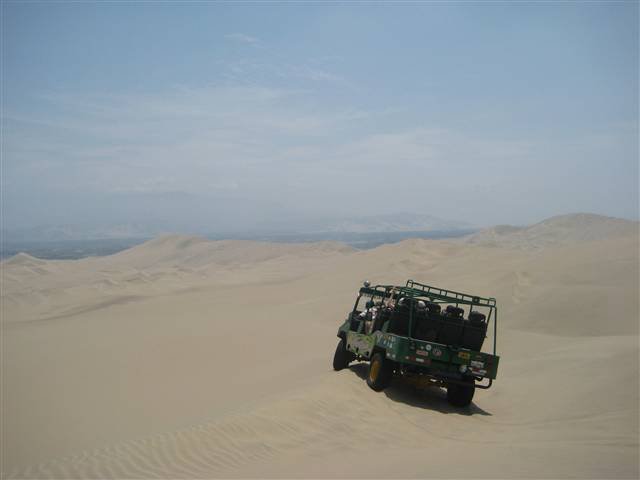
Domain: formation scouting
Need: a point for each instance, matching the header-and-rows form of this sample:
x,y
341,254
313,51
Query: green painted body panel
x,y
360,344
435,356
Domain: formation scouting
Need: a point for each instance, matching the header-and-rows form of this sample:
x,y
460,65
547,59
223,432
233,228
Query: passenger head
x,y
421,305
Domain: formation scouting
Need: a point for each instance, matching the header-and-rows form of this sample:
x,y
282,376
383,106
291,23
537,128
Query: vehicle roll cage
x,y
415,291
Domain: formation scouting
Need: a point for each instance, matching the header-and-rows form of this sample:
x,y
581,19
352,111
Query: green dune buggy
x,y
422,334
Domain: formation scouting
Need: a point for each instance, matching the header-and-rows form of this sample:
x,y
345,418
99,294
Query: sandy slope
x,y
188,358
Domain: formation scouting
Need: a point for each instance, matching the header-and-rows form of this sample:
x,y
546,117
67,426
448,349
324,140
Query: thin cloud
x,y
273,66
271,146
242,38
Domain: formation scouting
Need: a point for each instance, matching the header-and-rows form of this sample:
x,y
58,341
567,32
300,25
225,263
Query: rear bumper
x,y
440,359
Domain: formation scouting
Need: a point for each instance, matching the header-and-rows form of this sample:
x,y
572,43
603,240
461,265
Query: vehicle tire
x,y
380,372
461,395
342,357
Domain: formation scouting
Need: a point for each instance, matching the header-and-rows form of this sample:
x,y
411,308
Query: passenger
x,y
390,302
369,316
367,307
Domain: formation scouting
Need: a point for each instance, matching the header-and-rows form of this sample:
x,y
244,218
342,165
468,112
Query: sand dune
x,y
193,251
561,230
35,289
184,357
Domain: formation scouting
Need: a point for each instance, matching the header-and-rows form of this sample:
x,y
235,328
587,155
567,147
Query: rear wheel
x,y
380,372
461,395
342,357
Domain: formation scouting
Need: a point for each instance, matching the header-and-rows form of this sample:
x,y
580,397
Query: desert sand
x,y
185,358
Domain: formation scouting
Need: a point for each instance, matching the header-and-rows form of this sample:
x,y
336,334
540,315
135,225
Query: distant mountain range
x,y
401,222
392,223
60,233
357,232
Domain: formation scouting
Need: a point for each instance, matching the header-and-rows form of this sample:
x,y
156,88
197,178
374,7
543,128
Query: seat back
x,y
399,323
452,326
427,326
451,331
475,331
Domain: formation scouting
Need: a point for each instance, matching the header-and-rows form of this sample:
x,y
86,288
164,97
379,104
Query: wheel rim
x,y
374,370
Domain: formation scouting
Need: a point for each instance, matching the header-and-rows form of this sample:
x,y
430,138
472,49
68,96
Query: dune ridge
x,y
170,263
560,230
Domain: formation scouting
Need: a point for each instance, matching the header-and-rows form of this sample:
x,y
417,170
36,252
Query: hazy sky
x,y
230,114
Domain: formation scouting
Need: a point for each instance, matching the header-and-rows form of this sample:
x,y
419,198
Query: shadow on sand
x,y
430,398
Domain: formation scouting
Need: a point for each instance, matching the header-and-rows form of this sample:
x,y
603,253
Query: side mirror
x,y
366,283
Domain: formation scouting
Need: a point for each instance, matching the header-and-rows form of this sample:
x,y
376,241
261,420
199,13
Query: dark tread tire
x,y
380,372
461,395
342,357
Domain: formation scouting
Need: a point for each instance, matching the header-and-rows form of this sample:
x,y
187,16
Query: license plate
x,y
423,361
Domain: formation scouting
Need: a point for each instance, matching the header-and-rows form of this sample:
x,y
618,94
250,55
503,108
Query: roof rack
x,y
435,293
415,289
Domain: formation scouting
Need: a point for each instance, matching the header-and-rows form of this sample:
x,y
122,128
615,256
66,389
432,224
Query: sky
x,y
222,116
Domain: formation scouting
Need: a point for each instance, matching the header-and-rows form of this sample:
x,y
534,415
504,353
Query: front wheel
x,y
461,395
380,372
342,357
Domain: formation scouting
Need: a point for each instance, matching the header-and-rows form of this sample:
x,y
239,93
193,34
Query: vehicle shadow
x,y
428,398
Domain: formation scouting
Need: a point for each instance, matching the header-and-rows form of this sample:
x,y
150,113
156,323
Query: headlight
x,y
463,368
